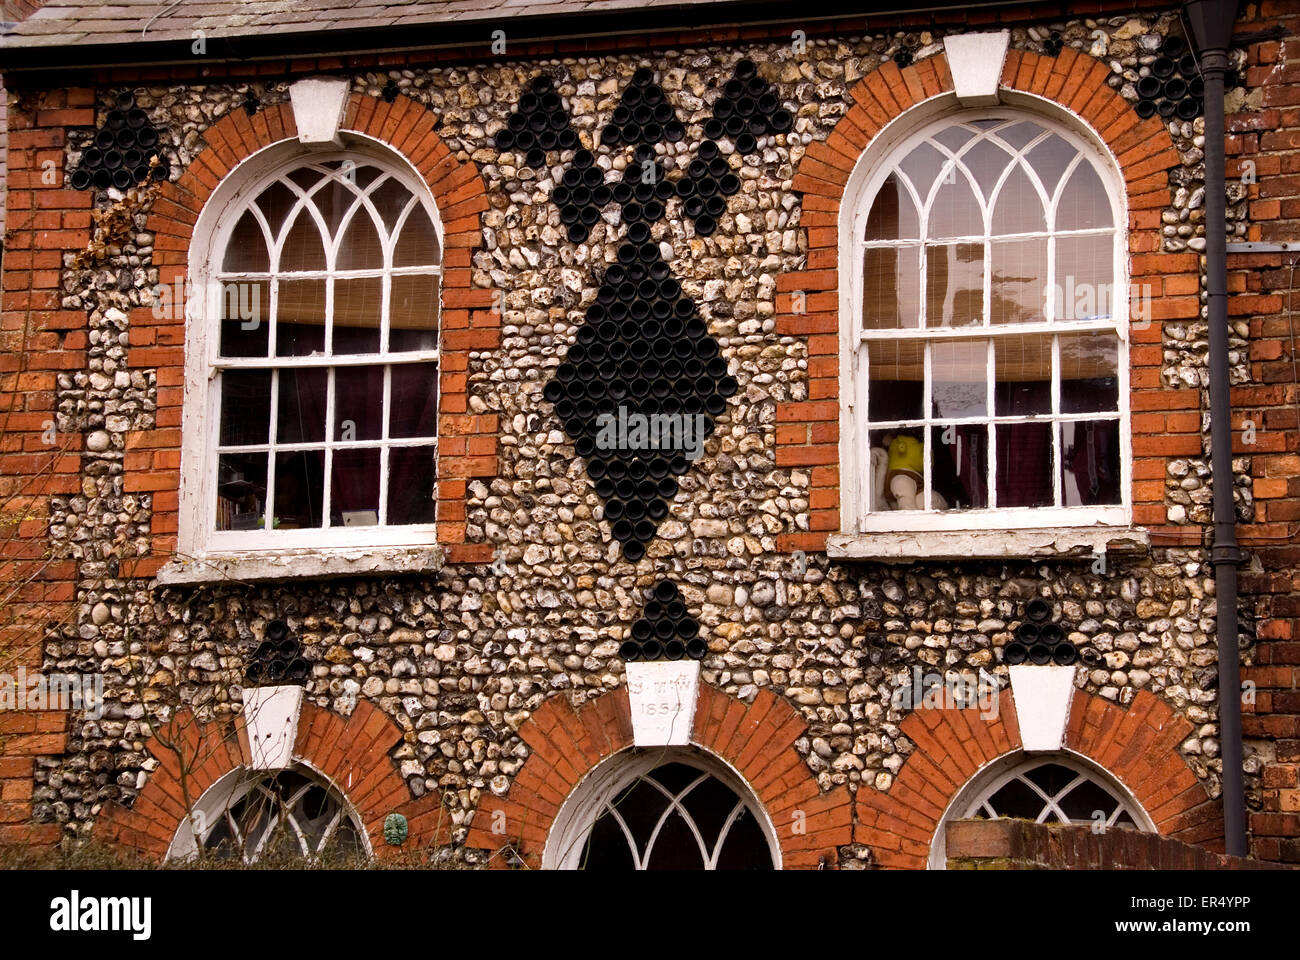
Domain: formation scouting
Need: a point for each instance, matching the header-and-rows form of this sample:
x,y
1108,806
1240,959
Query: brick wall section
x,y
467,444
1137,746
15,10
1021,845
756,739
1166,423
37,341
352,752
1261,291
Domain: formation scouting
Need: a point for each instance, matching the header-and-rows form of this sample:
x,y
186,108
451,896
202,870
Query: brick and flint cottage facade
x,y
602,436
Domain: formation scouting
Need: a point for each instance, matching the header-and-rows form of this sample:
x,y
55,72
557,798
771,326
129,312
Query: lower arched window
x,y
250,816
1056,788
655,813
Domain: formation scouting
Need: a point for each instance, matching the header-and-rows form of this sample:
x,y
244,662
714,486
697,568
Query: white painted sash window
x,y
320,319
986,331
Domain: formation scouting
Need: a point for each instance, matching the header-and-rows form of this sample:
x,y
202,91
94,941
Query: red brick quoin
x,y
1138,746
756,739
1165,422
353,753
467,443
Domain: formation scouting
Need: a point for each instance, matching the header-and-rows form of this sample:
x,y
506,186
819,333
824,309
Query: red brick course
x,y
1138,746
756,739
352,752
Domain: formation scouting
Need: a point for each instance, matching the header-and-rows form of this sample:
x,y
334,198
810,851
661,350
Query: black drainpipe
x,y
1211,23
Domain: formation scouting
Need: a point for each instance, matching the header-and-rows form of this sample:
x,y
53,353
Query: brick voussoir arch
x,y
467,445
756,739
808,301
1138,746
353,753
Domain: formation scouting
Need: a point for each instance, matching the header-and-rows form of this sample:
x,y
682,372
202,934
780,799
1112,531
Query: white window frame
x,y
873,167
200,544
995,775
586,804
232,787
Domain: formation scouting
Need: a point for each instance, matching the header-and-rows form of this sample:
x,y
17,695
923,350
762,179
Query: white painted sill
x,y
299,564
1025,543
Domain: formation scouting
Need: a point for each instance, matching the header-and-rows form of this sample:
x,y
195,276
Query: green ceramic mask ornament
x,y
395,829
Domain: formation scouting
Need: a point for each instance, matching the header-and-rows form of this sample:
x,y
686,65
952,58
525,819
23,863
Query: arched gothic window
x,y
681,811
249,816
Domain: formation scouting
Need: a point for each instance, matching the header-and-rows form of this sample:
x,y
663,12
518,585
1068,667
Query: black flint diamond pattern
x,y
666,631
122,151
642,348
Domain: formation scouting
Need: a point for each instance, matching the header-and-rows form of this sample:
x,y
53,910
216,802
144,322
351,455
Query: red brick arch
x,y
353,753
808,431
756,739
467,444
1138,746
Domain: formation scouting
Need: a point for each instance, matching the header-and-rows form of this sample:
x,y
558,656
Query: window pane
x,y
893,214
411,477
413,313
358,403
414,401
1018,135
891,285
1024,375
246,250
1090,474
275,202
986,161
1085,277
417,246
299,486
954,295
300,318
959,387
954,137
359,249
358,305
302,248
675,847
1024,464
959,466
1018,291
245,407
954,212
896,372
301,416
923,165
1018,208
333,201
241,491
1049,160
1083,203
244,307
390,199
1090,373
354,488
